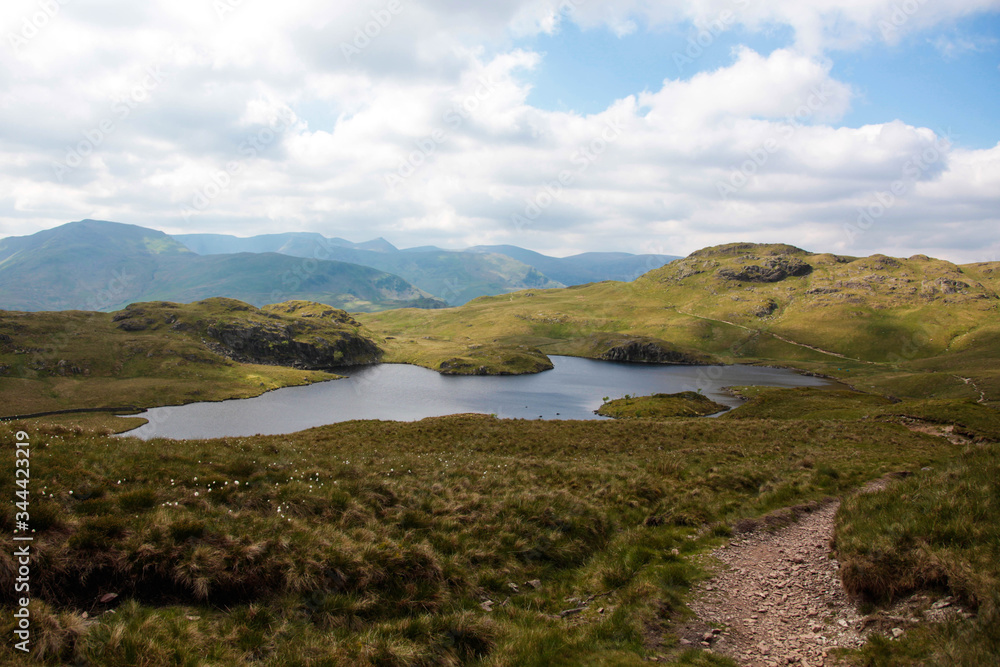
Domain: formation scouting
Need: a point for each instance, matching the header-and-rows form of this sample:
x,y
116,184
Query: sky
x,y
563,126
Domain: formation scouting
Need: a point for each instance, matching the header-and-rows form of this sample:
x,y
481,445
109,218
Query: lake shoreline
x,y
404,392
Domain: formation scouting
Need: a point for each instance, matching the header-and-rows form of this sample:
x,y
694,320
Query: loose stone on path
x,y
778,597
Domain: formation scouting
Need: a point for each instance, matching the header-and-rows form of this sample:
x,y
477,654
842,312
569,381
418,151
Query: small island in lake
x,y
661,406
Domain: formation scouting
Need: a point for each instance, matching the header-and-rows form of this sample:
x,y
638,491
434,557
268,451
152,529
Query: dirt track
x,y
777,597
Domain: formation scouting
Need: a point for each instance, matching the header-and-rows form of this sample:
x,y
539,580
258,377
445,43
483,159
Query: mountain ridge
x,y
457,276
101,265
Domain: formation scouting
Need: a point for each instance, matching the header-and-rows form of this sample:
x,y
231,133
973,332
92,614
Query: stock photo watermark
x,y
882,201
224,8
453,118
22,541
582,159
900,15
122,106
365,34
222,179
33,24
758,157
699,43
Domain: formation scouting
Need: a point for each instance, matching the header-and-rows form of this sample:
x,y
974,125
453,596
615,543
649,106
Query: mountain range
x,y
101,265
454,276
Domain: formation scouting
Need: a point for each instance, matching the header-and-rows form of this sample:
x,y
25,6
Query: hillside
x,y
474,540
588,267
297,244
455,277
916,321
98,265
163,353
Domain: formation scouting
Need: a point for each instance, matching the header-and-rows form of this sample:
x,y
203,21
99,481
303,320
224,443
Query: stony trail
x,y
777,598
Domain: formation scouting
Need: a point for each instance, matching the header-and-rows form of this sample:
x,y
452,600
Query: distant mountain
x,y
457,276
454,276
589,267
99,265
298,244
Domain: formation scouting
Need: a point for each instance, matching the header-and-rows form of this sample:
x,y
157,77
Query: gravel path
x,y
777,598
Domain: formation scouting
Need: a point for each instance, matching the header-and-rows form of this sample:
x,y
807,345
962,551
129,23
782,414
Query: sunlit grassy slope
x,y
380,543
902,326
472,540
163,353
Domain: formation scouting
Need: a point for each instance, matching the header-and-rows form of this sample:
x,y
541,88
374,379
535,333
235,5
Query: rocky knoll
x,y
769,270
298,334
281,344
645,350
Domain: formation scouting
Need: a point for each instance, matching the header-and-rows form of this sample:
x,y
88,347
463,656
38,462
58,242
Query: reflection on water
x,y
572,390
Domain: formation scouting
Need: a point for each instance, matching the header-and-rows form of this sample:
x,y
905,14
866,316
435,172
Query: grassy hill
x,y
903,326
165,353
661,406
472,540
97,265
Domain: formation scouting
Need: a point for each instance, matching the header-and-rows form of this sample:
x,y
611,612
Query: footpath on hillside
x,y
776,598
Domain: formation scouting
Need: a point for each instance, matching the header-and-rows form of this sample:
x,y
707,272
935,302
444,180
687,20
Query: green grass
x,y
806,403
163,354
900,326
377,542
932,529
661,406
495,360
939,530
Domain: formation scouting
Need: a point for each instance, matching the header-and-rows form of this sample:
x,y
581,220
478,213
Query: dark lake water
x,y
572,390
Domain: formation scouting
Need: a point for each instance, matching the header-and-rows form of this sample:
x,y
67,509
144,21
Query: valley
x,y
535,333
472,539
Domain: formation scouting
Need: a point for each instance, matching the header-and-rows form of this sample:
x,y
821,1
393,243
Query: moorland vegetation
x,y
472,540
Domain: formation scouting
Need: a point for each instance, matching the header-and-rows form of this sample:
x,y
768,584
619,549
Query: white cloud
x,y
953,47
437,89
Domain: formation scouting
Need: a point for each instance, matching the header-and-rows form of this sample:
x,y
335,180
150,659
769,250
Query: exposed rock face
x,y
275,343
771,270
951,286
645,351
766,309
300,334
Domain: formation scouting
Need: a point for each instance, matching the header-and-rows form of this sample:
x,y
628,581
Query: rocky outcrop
x,y
299,334
646,351
766,309
276,343
496,360
770,270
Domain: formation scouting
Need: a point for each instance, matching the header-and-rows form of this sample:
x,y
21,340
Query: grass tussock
x,y
938,529
445,541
